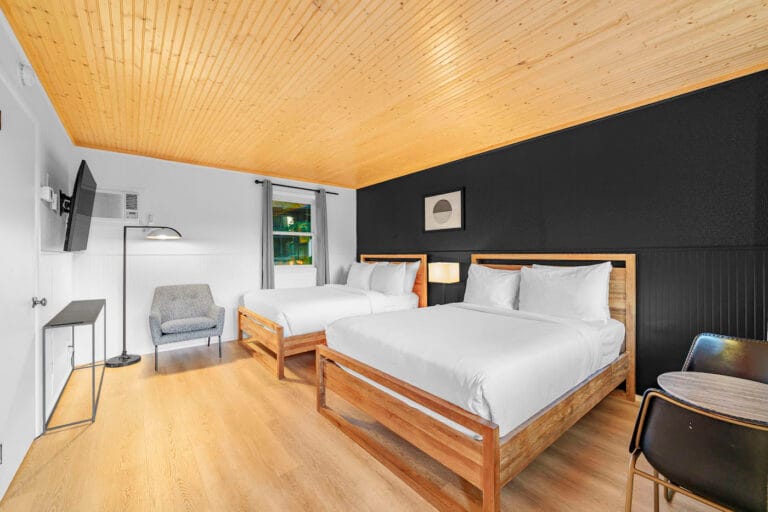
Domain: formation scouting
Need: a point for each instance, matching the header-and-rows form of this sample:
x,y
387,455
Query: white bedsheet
x,y
305,310
502,365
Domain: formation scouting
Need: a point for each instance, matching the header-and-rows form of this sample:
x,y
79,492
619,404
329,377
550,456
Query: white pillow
x,y
492,287
411,270
570,292
388,279
360,275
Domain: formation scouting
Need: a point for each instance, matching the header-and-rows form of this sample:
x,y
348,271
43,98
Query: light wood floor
x,y
210,435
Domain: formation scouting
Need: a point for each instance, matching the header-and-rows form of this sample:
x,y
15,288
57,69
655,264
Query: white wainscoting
x,y
100,275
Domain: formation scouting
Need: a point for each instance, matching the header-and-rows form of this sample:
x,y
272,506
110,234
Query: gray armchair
x,y
184,312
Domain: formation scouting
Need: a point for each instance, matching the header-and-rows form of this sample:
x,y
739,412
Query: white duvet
x,y
305,310
503,365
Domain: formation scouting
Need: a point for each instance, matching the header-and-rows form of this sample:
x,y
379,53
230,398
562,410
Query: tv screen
x,y
80,210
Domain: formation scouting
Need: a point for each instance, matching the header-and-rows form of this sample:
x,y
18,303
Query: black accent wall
x,y
683,183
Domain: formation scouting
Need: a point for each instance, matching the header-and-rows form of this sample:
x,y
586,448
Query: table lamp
x,y
444,273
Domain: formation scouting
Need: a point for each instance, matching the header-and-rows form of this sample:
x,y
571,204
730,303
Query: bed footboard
x,y
264,338
521,446
488,463
475,460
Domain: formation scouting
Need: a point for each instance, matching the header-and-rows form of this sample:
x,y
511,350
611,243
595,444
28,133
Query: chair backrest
x,y
723,461
737,357
182,301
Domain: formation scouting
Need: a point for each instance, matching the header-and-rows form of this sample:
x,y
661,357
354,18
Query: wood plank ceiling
x,y
352,93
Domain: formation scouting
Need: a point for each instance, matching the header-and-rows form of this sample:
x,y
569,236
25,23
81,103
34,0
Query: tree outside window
x,y
292,227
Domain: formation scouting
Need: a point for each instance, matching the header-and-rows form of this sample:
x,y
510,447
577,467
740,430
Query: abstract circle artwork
x,y
442,211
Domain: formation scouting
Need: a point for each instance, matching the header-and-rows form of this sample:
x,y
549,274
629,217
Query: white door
x,y
17,284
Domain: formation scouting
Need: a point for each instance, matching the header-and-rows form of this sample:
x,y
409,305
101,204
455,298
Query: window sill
x,y
294,268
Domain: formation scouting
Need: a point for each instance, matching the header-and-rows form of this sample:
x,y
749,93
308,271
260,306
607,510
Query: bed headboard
x,y
420,285
621,296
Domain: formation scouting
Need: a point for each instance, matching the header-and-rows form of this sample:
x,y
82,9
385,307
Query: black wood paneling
x,y
683,183
687,291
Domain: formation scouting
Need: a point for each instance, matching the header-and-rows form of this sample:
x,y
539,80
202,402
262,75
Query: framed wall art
x,y
444,212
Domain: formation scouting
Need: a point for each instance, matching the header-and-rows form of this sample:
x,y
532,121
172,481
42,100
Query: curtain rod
x,y
259,182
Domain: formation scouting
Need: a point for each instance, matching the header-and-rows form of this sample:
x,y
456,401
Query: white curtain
x,y
267,239
321,238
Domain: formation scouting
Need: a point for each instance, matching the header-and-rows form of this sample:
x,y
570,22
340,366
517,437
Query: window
x,y
292,226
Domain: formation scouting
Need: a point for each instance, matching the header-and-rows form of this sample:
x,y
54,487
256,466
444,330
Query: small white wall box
x,y
49,196
46,194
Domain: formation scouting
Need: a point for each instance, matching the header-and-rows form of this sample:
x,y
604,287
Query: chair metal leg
x,y
668,493
155,357
209,341
630,482
219,346
655,492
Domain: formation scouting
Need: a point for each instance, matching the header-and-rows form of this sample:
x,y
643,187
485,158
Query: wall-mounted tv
x,y
80,207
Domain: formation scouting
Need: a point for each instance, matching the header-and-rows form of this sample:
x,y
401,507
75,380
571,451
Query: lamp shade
x,y
442,272
163,233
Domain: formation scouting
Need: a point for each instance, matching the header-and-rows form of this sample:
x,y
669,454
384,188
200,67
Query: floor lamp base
x,y
122,360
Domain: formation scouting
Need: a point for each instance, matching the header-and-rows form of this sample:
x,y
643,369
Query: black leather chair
x,y
712,458
737,357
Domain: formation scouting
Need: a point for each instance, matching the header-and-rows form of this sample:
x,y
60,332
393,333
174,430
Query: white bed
x,y
503,365
286,322
306,310
512,370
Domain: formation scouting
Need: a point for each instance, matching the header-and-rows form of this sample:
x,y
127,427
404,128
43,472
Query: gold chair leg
x,y
668,493
655,492
630,482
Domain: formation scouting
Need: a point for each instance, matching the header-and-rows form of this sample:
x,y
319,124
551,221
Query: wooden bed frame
x,y
490,462
267,343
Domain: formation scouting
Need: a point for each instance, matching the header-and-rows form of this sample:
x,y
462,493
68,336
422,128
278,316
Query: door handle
x,y
42,302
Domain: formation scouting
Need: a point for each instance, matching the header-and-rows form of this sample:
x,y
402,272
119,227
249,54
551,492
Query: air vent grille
x,y
131,206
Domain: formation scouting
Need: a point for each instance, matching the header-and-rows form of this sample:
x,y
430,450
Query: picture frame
x,y
444,211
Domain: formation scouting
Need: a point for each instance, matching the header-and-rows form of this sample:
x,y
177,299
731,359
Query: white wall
x,y
217,212
53,157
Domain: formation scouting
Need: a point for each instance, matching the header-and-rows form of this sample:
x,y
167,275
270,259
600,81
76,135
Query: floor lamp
x,y
445,273
156,233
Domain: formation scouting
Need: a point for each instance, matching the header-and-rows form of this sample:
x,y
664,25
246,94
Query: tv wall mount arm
x,y
65,203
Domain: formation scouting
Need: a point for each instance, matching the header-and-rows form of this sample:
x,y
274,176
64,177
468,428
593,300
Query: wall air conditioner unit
x,y
119,206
